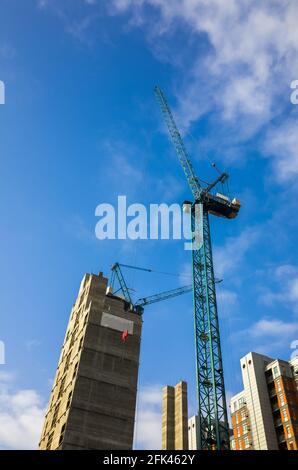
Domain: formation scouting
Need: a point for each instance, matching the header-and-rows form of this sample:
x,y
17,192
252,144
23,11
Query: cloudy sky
x,y
81,126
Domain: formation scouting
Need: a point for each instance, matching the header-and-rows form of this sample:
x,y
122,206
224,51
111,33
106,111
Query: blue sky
x,y
81,126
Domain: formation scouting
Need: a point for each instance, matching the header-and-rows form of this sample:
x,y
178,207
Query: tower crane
x,y
212,409
139,305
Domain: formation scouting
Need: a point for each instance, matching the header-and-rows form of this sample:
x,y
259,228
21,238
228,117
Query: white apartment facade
x,y
265,414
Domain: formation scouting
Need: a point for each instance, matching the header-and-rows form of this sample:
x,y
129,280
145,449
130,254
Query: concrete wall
x,y
96,409
168,418
175,417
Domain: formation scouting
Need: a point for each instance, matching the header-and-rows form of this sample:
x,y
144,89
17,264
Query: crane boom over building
x,y
139,305
212,409
152,299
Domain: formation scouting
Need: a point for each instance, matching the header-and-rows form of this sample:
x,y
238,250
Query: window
x,y
75,370
55,415
235,405
50,440
281,399
245,428
241,402
285,415
278,385
81,343
246,442
61,387
62,434
68,400
238,432
66,363
288,429
275,371
73,338
243,414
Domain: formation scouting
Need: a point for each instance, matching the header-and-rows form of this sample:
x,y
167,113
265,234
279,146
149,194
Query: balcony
x,y
242,405
277,422
275,406
281,438
269,379
272,392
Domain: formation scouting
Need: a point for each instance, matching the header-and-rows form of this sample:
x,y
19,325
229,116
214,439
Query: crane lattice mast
x,y
212,409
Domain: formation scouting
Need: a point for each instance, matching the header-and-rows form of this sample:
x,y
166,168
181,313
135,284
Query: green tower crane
x,y
139,305
212,409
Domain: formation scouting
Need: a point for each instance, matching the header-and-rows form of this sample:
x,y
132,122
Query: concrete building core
x,y
93,399
175,417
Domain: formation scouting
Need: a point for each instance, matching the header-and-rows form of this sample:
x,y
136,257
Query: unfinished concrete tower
x,y
93,400
175,417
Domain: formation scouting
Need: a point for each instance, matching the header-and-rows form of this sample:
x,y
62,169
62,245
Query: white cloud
x,y
6,377
21,416
281,145
32,344
185,275
228,296
284,278
227,300
269,336
241,71
126,159
293,289
42,3
273,328
230,255
148,418
245,73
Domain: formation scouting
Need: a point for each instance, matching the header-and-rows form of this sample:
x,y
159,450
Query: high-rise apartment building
x,y
265,413
175,417
93,399
193,433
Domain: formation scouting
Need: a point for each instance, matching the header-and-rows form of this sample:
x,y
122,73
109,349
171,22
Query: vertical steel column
x,y
212,410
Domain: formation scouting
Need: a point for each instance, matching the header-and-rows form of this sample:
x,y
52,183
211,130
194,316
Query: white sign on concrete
x,y
116,323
